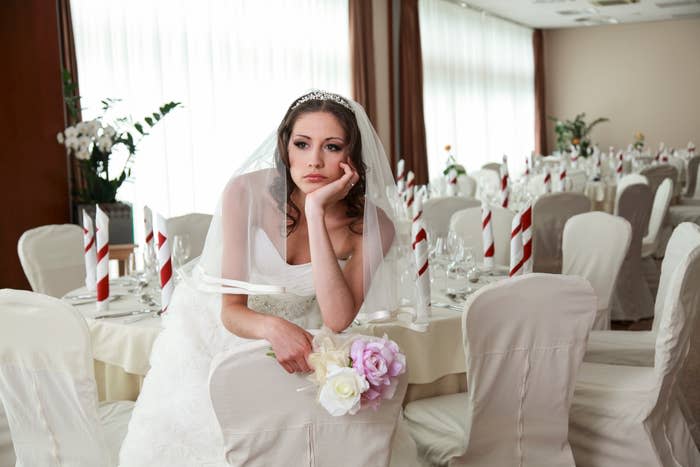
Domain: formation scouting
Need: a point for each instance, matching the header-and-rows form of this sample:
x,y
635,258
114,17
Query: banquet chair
x,y
52,258
632,415
488,182
524,339
680,167
691,181
688,207
467,186
624,182
597,258
438,211
467,224
48,389
495,166
632,300
549,215
577,179
269,417
195,225
656,174
659,210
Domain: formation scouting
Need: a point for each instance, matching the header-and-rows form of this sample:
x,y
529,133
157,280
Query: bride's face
x,y
317,146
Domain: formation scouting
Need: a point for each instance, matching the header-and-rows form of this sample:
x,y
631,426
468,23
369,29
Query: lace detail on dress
x,y
291,308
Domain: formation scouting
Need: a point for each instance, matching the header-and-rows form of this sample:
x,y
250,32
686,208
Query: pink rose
x,y
380,362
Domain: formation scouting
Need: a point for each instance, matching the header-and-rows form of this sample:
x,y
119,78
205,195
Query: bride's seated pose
x,y
297,242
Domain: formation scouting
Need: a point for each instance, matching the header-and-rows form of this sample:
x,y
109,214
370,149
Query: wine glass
x,y
181,250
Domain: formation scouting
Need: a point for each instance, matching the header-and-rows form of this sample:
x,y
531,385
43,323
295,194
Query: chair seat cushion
x,y
614,392
438,425
633,348
115,417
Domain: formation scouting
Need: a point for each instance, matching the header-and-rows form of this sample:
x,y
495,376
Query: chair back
x,y
597,258
624,182
658,173
488,182
467,224
549,215
438,211
633,299
659,209
578,179
47,385
495,166
691,182
467,186
684,239
269,417
52,258
195,225
524,340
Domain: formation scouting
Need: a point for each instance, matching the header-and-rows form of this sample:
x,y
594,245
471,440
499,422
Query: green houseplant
x,y
575,132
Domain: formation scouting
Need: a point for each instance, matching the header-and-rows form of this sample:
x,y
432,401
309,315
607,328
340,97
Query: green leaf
x,y
139,128
156,115
149,120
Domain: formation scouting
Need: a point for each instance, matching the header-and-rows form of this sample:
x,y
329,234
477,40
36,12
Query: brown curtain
x,y
540,116
411,123
362,56
69,63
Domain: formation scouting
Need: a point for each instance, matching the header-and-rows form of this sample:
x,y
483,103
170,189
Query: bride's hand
x,y
329,194
291,345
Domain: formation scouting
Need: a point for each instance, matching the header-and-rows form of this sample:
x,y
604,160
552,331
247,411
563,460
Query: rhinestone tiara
x,y
322,96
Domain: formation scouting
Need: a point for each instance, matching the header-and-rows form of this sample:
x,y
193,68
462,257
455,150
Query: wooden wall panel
x,y
33,170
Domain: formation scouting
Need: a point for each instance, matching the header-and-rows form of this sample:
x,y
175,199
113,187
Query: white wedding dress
x,y
173,423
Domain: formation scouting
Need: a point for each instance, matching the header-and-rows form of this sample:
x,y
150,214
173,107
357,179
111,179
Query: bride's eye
x,y
301,144
333,147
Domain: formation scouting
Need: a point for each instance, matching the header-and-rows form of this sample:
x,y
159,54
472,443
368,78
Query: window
x,y
478,87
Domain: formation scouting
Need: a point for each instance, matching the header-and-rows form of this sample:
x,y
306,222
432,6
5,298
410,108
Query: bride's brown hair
x,y
355,199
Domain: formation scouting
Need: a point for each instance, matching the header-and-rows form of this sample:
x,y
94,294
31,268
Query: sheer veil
x,y
252,215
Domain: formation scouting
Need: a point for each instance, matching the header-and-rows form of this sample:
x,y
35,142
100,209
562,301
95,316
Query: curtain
x,y
235,66
540,116
362,56
478,87
412,134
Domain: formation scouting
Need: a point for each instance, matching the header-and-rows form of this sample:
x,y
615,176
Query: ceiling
x,y
574,13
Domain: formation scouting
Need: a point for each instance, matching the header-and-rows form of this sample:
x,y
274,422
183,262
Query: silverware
x,y
459,308
150,314
121,314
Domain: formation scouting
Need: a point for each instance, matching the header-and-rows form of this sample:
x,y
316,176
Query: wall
x,y
644,77
33,173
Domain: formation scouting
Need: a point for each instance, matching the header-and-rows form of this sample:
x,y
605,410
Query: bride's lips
x,y
314,178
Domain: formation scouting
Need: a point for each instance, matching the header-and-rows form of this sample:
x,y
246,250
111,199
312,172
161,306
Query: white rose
x,y
104,143
71,132
342,390
71,142
109,131
60,138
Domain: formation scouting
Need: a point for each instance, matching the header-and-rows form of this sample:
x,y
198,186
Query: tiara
x,y
322,96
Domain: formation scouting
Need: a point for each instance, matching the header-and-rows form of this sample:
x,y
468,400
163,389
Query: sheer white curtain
x,y
235,66
478,87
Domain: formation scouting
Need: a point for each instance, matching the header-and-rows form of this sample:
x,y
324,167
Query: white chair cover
x,y
659,210
524,339
467,223
624,182
680,167
467,186
438,211
272,422
657,174
549,215
195,225
52,258
633,300
47,386
495,166
691,182
598,257
577,179
631,416
688,210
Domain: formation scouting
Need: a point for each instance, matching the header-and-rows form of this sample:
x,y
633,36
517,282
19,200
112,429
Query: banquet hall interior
x,y
545,200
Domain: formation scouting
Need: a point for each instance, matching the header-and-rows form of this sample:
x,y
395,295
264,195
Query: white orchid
x,y
82,154
82,128
92,127
60,138
71,132
109,131
104,143
72,142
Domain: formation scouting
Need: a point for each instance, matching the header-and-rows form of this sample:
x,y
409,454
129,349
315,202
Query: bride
x,y
299,240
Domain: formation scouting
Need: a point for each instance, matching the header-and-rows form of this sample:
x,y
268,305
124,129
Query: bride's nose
x,y
315,159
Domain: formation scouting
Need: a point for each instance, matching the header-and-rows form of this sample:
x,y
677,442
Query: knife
x,y
121,314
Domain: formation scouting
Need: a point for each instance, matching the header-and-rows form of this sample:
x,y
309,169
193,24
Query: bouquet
x,y
452,163
575,132
638,141
354,371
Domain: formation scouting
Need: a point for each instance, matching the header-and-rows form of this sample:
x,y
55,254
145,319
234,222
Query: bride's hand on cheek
x,y
291,345
333,192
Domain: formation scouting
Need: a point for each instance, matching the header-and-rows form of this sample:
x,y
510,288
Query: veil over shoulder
x,y
251,219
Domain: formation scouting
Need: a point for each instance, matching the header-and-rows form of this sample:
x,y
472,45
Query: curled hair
x,y
355,199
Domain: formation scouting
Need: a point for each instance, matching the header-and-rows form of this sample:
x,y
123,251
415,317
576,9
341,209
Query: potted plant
x,y
575,133
93,143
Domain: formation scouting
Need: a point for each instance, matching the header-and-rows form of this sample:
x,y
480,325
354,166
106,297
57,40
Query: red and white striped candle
x,y
547,181
148,227
516,246
102,269
526,229
401,176
90,251
487,236
165,265
420,252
